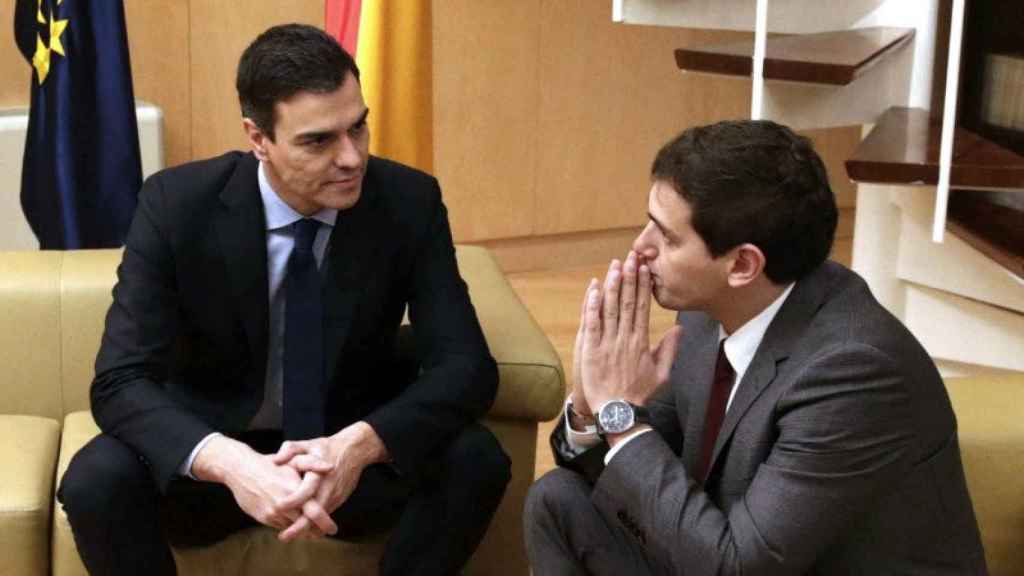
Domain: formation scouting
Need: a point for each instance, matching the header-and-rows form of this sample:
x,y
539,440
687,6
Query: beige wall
x,y
546,114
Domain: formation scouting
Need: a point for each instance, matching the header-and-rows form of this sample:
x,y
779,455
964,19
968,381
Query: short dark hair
x,y
284,61
754,181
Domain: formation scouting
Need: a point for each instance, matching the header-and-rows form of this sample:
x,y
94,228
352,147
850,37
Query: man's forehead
x,y
664,196
312,112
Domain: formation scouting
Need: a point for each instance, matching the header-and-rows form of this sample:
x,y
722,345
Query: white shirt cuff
x,y
186,466
579,441
615,449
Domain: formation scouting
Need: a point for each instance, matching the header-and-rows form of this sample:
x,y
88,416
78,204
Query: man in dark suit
x,y
259,300
801,428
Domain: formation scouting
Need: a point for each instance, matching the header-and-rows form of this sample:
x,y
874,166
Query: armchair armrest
x,y
531,379
28,451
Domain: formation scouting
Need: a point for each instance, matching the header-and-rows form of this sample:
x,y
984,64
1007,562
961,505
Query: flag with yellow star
x,y
82,170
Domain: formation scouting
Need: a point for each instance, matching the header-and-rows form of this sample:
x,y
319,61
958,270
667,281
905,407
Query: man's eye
x,y
357,127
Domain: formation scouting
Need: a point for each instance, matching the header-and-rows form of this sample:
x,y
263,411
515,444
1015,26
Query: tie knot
x,y
723,369
305,234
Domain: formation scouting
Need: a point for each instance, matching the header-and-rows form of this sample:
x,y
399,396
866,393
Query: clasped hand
x,y
330,468
295,490
613,357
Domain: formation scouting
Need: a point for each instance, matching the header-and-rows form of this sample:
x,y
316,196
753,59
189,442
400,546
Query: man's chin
x,y
665,300
342,195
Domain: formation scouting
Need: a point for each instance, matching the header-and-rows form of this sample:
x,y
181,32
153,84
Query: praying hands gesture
x,y
613,357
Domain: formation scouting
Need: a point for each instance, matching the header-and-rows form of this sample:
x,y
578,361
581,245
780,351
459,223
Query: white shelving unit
x,y
967,310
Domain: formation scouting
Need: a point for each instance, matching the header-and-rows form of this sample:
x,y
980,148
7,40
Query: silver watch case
x,y
615,417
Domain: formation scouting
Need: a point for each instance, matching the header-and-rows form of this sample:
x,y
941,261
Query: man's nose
x,y
643,246
347,155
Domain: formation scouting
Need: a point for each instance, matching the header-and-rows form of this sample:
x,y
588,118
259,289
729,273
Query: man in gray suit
x,y
787,425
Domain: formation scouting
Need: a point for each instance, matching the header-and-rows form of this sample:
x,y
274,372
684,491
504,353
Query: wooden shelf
x,y
833,58
995,230
903,148
785,16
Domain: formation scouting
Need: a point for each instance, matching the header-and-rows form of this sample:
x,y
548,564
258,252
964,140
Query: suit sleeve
x,y
141,327
845,435
590,463
459,378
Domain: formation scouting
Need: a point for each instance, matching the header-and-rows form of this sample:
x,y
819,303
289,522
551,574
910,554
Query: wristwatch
x,y
618,416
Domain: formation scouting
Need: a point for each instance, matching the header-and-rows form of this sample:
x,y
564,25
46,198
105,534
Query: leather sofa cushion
x,y
30,341
991,430
532,385
28,450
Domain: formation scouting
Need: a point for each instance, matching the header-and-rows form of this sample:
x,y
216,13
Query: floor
x,y
554,298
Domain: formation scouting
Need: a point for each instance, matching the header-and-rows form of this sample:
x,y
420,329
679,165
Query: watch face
x,y
616,416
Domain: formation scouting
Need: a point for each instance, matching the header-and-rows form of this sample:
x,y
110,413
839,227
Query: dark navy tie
x,y
303,393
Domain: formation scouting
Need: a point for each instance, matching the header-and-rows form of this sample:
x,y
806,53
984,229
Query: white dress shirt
x,y
280,241
740,347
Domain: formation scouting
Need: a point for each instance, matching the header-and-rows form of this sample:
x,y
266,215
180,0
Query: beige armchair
x,y
52,306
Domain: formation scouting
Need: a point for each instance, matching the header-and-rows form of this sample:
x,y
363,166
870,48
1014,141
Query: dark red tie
x,y
720,389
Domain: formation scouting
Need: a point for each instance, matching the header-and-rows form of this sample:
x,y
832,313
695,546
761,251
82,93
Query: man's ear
x,y
747,264
257,139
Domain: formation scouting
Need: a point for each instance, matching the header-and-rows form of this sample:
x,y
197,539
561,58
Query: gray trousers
x,y
566,534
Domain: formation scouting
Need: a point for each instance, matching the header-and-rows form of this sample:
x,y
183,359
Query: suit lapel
x,y
241,231
350,258
779,341
758,376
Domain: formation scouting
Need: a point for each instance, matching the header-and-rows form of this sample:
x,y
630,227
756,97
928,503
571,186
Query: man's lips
x,y
345,181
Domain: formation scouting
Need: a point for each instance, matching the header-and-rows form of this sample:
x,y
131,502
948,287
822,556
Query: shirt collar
x,y
742,344
279,214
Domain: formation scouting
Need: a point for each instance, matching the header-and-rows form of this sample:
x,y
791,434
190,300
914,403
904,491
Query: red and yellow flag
x,y
391,42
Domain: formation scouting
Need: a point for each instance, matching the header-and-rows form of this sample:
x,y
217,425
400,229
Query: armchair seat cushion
x,y
991,433
28,450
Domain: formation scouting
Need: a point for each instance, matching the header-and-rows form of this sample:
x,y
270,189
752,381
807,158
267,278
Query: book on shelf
x,y
1002,100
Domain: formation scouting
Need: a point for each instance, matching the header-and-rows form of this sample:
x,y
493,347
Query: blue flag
x,y
82,170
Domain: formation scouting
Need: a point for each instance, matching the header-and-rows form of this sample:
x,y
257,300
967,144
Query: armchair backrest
x,y
52,306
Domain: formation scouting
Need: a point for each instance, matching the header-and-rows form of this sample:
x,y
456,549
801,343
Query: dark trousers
x,y
123,525
566,534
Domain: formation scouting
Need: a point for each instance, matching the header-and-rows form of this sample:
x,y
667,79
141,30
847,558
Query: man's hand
x,y
348,453
617,360
264,489
581,414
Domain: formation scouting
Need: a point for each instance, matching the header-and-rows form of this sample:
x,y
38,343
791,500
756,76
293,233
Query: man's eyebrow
x,y
317,134
664,229
314,135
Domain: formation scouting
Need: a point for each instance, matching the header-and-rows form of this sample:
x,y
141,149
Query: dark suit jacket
x,y
838,455
184,352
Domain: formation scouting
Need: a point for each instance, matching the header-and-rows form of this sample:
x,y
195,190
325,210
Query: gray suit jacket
x,y
838,455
